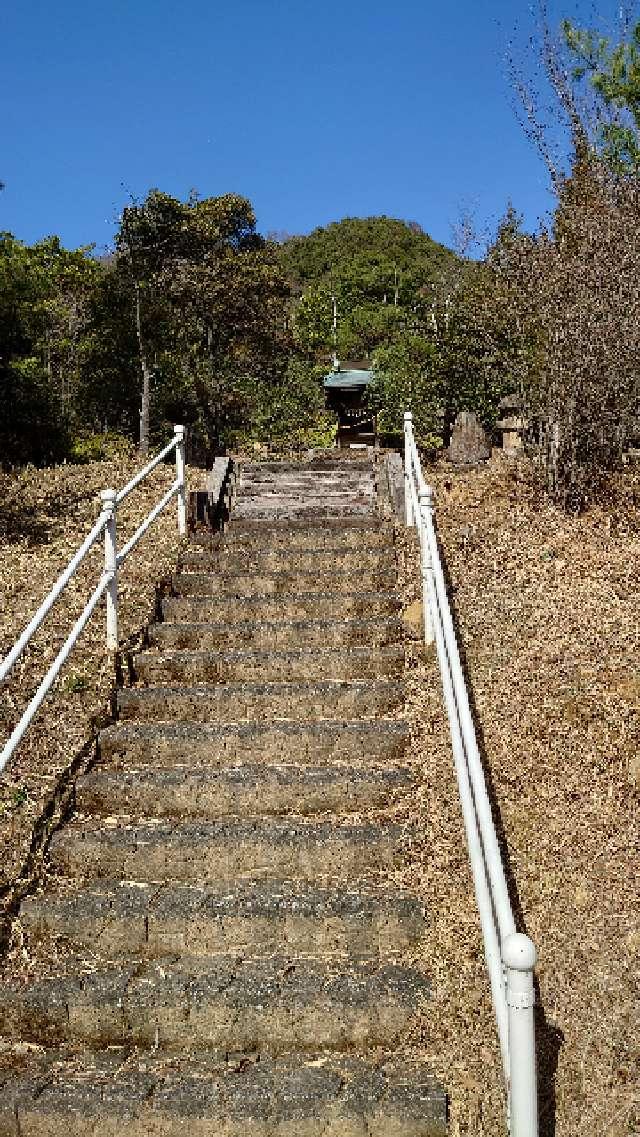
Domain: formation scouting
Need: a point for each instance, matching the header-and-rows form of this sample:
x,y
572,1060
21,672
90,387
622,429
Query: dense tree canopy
x,y
45,294
374,251
383,273
612,71
415,312
196,318
179,324
209,306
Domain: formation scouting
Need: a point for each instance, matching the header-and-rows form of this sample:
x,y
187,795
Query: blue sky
x,y
314,109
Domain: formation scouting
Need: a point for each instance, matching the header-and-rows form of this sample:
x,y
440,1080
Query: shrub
x,y
95,447
288,412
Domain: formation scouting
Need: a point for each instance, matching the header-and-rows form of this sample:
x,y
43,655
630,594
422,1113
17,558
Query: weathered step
x,y
116,1095
325,536
344,462
372,579
130,743
258,472
189,791
254,918
276,634
316,496
307,481
274,1005
283,559
293,606
315,490
214,851
319,494
234,702
251,666
342,505
330,525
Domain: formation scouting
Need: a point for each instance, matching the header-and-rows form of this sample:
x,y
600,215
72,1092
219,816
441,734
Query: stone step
x,y
276,635
303,480
115,1094
290,606
370,579
288,508
235,702
345,461
310,489
314,493
283,559
288,528
255,918
220,945
274,1006
224,850
260,472
278,666
189,791
131,743
311,536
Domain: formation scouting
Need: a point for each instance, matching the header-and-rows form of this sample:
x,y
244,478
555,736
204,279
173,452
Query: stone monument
x,y
469,443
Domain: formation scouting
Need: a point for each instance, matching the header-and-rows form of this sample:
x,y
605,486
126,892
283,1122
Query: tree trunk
x,y
145,409
145,406
214,426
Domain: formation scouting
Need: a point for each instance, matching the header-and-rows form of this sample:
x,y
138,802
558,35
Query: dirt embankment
x,y
44,516
547,608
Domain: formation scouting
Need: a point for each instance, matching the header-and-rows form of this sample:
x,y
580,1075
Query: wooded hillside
x,y
376,252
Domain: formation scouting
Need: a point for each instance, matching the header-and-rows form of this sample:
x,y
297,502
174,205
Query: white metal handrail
x,y
142,474
510,957
47,605
148,521
108,582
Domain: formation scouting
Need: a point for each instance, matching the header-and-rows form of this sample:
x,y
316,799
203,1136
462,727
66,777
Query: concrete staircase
x,y
219,947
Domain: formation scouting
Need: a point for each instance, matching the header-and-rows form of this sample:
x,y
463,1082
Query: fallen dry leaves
x,y
547,611
44,516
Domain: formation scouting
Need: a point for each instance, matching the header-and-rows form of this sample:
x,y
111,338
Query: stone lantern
x,y
511,423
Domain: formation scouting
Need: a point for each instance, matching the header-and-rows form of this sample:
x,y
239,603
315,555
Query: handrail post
x,y
425,498
408,507
519,958
181,479
111,566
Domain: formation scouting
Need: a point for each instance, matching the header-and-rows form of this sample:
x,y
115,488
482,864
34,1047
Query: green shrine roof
x,y
347,380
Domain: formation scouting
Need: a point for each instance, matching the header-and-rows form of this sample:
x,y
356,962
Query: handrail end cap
x,y
519,952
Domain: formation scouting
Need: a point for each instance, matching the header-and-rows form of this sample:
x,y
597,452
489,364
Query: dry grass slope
x,y
44,515
548,612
